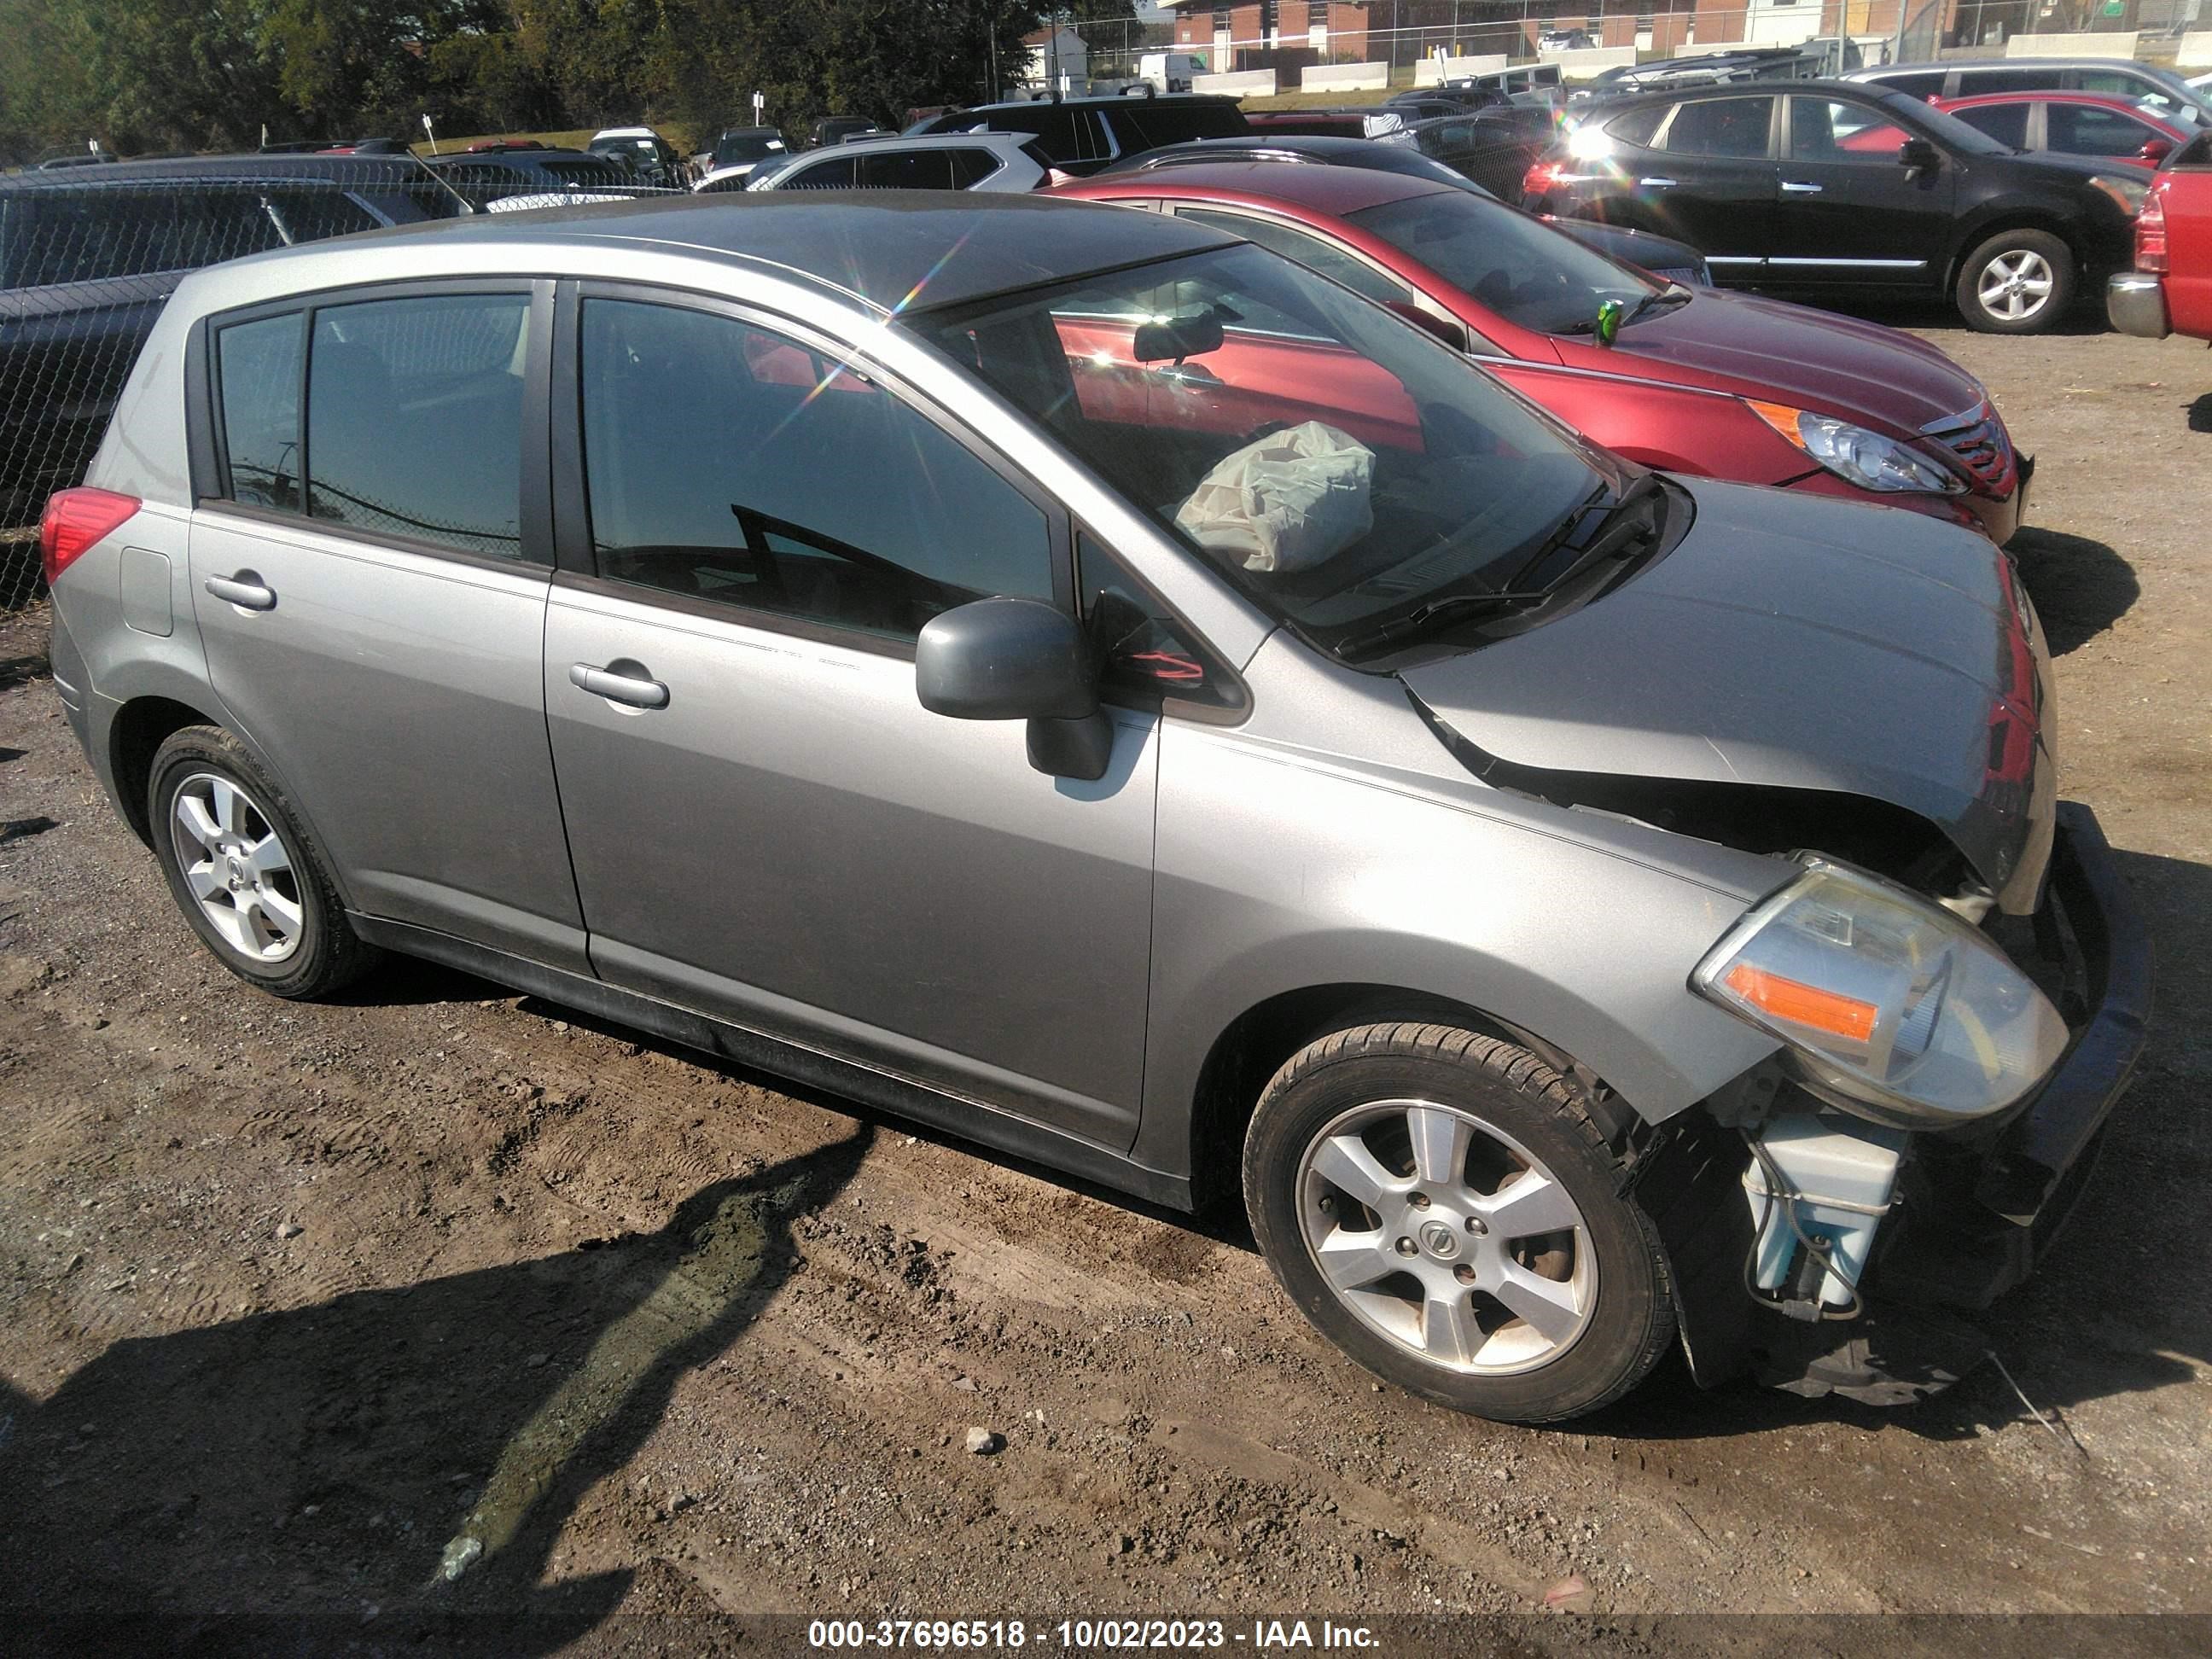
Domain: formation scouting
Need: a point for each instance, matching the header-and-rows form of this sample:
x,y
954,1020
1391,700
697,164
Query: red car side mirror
x,y
2156,151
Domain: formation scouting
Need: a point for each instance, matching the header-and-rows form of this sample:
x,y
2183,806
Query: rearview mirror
x,y
1919,155
1451,333
1193,334
1018,660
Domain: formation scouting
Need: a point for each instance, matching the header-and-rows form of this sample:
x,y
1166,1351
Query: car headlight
x,y
1865,458
2129,193
1895,1008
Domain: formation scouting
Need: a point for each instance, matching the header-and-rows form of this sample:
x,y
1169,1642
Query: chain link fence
x,y
90,253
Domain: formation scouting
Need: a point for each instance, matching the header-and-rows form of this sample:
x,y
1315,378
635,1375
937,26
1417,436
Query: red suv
x,y
2170,289
1689,380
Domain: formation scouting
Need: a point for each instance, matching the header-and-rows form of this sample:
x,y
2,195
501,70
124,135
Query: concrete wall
x,y
1581,65
1429,73
1243,84
2195,51
2117,44
1344,77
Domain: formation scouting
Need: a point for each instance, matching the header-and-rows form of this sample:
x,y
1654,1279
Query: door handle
x,y
1797,188
244,590
636,691
1657,184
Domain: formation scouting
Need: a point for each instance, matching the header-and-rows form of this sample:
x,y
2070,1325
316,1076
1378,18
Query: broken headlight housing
x,y
1894,1008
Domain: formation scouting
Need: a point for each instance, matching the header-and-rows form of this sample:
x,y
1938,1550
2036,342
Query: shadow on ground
x,y
416,1450
2081,587
2200,414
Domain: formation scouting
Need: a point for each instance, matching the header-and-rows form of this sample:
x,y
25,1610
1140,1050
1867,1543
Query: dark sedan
x,y
1779,187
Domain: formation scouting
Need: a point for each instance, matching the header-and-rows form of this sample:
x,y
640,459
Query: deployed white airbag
x,y
1285,501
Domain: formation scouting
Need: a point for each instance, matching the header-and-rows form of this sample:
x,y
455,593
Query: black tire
x,y
1627,1326
327,954
2014,245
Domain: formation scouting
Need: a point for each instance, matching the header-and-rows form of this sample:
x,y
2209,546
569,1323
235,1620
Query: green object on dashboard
x,y
1609,322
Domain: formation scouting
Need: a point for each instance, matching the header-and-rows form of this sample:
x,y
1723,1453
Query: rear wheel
x,y
244,873
1440,1204
2018,281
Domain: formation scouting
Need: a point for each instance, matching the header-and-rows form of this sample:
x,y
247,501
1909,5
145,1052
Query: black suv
x,y
90,256
1081,136
1824,184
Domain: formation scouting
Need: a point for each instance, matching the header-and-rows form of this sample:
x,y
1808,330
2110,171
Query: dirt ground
x,y
301,1307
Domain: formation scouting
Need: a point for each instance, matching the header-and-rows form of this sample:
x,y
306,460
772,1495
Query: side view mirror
x,y
1018,660
1919,155
2156,151
1442,327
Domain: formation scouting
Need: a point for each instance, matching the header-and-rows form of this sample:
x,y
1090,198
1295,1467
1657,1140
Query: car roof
x,y
987,138
883,248
2039,61
1334,191
506,157
305,165
1874,92
1120,102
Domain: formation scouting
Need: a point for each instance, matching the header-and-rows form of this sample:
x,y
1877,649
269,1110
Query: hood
x,y
1789,643
1780,353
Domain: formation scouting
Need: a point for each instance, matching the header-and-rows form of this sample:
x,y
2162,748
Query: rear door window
x,y
1728,128
837,173
2085,130
415,419
258,391
1921,84
2006,123
1973,83
1638,127
970,167
911,169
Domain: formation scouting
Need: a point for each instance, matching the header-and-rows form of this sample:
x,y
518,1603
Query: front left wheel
x,y
243,871
1442,1207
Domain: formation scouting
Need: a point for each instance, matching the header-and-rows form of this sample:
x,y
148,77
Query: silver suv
x,y
1094,686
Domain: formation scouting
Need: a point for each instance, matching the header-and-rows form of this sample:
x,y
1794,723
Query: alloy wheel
x,y
2016,285
1445,1235
237,866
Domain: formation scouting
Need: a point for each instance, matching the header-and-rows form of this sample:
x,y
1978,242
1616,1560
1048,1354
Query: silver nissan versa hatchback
x,y
1067,676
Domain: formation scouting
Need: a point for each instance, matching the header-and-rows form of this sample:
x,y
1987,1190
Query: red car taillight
x,y
2150,234
1541,178
74,521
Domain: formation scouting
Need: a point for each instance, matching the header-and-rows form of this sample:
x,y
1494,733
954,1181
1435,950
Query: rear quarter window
x,y
1638,127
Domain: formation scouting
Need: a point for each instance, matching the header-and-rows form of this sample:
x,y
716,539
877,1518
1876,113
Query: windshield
x,y
1521,268
1340,465
732,147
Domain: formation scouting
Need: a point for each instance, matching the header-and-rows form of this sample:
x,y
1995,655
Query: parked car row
x,y
1246,740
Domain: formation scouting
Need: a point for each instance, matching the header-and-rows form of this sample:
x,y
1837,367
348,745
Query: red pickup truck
x,y
2170,289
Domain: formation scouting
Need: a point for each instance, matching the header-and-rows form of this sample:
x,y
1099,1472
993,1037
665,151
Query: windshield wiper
x,y
1672,295
1423,617
1643,488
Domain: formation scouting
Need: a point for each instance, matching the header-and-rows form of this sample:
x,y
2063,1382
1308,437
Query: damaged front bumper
x,y
1974,1213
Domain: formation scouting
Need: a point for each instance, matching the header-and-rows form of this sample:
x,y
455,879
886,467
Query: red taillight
x,y
2150,234
74,521
1541,178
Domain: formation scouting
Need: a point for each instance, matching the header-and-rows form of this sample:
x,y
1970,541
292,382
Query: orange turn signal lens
x,y
1781,417
1802,1004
